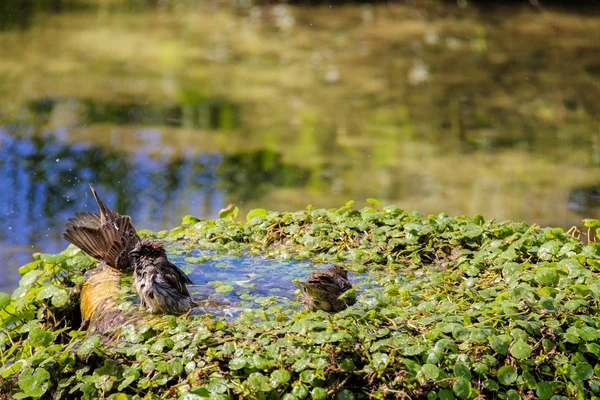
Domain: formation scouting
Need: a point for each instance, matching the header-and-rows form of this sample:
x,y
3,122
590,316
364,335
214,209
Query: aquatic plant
x,y
453,308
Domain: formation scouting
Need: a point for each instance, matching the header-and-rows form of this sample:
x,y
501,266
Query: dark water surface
x,y
181,107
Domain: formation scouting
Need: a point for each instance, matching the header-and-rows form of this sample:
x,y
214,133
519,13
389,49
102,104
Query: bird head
x,y
148,248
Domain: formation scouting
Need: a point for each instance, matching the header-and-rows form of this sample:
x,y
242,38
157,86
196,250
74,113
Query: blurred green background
x,y
175,107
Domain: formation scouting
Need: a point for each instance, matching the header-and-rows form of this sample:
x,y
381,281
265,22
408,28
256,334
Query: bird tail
x,y
106,214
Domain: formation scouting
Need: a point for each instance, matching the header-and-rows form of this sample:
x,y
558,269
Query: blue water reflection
x,y
44,182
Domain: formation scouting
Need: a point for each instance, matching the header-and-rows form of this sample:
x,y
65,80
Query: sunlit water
x,y
181,107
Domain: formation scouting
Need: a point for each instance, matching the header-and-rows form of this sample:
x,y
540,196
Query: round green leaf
x,y
258,382
256,213
462,371
34,383
224,289
507,375
4,300
581,371
462,388
480,368
344,395
513,395
491,384
430,371
544,390
237,363
300,391
217,386
500,343
318,393
347,364
280,377
446,394
307,376
520,350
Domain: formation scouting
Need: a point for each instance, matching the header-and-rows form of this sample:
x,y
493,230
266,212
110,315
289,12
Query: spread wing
x,y
109,242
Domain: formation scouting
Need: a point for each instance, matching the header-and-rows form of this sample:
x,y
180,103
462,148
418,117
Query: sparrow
x,y
159,283
322,290
108,237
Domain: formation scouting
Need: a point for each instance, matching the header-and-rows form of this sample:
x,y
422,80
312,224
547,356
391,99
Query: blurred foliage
x,y
457,308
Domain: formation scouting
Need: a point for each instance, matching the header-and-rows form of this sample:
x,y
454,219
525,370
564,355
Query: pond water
x,y
226,285
181,107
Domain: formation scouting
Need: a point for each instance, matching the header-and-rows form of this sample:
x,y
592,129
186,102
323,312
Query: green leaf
x,y
507,375
29,267
549,250
224,289
40,338
591,223
544,390
300,391
34,383
9,369
229,213
520,350
319,393
446,394
29,278
500,343
58,295
237,363
513,395
175,367
189,220
462,388
256,213
547,277
344,395
200,391
52,259
280,377
379,361
374,202
259,383
217,386
462,371
581,371
491,385
4,300
347,364
430,371
307,376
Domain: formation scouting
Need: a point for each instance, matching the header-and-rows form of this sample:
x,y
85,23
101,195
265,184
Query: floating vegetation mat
x,y
446,308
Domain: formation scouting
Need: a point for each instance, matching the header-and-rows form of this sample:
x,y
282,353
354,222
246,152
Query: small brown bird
x,y
159,283
322,290
108,237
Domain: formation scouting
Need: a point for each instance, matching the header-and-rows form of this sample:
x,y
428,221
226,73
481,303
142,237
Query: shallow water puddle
x,y
226,284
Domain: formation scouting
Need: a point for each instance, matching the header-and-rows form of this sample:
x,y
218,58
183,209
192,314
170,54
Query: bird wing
x,y
176,278
110,242
93,241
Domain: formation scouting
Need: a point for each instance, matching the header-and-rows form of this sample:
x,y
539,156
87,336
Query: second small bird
x,y
160,284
